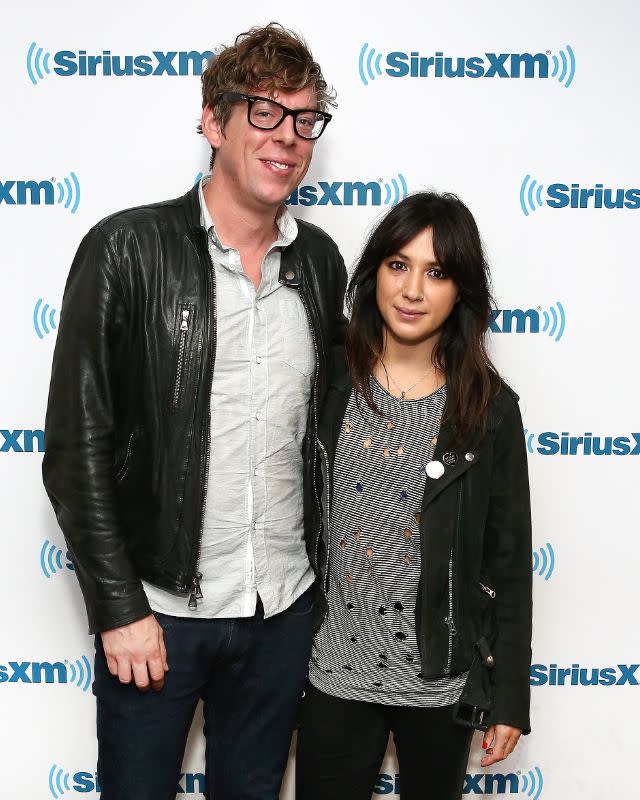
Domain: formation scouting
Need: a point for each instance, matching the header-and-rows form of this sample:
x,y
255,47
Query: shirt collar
x,y
285,222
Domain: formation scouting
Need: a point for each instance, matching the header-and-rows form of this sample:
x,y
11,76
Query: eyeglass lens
x,y
264,114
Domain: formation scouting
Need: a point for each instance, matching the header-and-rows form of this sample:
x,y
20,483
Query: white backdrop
x,y
557,107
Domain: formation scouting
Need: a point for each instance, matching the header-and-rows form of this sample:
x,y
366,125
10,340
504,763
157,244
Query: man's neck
x,y
237,224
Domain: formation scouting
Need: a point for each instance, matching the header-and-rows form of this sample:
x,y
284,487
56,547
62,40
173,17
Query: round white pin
x,y
435,469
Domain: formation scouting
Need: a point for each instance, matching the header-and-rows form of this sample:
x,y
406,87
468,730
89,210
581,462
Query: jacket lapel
x,y
454,462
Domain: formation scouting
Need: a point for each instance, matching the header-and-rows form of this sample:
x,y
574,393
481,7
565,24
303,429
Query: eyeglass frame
x,y
235,97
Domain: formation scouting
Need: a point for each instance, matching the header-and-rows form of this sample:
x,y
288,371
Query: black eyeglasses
x,y
267,114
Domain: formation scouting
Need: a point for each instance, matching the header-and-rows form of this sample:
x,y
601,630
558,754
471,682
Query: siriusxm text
x,y
489,65
68,63
576,675
550,443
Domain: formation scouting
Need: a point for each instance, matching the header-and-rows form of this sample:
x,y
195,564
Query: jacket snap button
x,y
469,456
435,469
449,459
289,274
489,661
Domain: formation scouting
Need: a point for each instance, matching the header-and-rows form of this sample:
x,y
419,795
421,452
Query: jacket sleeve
x,y
508,559
78,466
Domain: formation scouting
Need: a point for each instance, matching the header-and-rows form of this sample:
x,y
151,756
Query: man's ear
x,y
211,127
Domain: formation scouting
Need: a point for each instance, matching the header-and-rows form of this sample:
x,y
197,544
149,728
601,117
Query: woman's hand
x,y
498,743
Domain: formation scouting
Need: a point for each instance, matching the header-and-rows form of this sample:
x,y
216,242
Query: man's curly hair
x,y
262,59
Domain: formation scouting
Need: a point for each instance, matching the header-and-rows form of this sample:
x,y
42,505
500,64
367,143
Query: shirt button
x,y
254,525
258,359
258,416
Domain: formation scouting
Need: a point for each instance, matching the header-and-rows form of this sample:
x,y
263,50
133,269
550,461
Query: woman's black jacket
x,y
473,609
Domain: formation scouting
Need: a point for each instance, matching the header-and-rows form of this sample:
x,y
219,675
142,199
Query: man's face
x,y
260,167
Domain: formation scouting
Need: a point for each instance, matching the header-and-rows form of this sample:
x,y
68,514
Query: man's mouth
x,y
281,165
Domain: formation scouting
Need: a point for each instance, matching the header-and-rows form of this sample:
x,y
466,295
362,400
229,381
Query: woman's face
x,y
413,294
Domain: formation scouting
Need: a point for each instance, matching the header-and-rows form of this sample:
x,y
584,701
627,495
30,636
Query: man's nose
x,y
285,132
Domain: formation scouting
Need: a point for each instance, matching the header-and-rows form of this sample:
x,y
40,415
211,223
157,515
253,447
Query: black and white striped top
x,y
366,648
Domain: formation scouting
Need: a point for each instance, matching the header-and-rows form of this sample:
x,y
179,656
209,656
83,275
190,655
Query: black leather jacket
x,y
473,610
128,421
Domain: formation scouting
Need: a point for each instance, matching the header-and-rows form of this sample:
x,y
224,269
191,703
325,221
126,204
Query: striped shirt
x,y
366,648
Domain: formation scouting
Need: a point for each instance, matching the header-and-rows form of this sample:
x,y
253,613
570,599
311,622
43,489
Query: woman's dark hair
x,y
461,352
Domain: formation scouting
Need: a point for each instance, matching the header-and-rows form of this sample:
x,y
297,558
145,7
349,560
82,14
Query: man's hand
x,y
137,650
498,743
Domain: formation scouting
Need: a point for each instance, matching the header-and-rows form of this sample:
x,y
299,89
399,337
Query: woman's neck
x,y
407,369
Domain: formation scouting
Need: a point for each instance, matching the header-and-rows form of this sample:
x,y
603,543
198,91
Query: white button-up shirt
x,y
253,536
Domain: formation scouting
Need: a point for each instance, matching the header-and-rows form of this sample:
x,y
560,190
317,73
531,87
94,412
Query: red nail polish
x,y
484,745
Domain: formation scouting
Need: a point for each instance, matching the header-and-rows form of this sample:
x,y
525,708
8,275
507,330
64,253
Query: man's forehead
x,y
294,98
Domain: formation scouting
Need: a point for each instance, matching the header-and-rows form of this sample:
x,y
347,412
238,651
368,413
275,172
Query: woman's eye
x,y
397,265
436,273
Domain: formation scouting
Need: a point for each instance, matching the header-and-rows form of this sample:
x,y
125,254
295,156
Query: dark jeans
x,y
341,744
250,673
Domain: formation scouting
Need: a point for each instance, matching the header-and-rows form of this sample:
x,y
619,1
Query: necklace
x,y
403,392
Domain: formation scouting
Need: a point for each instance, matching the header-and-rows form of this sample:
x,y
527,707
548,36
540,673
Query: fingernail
x,y
484,745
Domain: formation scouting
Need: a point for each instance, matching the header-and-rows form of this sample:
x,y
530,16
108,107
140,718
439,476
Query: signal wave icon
x,y
366,62
43,318
37,63
395,191
79,673
554,321
50,559
544,561
564,67
58,781
532,783
69,192
529,438
530,195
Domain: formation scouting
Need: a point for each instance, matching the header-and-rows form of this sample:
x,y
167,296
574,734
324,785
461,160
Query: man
x,y
190,362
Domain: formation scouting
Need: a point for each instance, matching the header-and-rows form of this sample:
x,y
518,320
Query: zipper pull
x,y
196,592
489,591
451,625
184,325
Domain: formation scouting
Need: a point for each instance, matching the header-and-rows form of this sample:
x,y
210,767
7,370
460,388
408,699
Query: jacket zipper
x,y
314,394
326,517
195,593
182,344
488,590
125,464
450,620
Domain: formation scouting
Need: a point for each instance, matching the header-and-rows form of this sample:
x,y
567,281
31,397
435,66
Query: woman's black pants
x,y
341,744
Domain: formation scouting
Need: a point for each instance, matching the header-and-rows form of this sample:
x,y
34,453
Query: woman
x,y
423,474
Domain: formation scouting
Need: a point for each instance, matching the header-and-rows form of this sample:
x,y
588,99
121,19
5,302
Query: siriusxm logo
x,y
414,64
61,782
71,63
575,675
21,441
35,193
528,784
529,320
350,193
563,444
562,195
51,559
544,561
76,672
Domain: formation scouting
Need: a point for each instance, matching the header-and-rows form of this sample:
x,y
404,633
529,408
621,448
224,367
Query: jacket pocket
x,y
183,336
122,466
